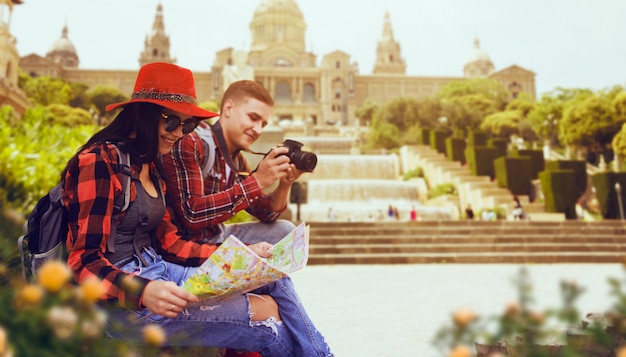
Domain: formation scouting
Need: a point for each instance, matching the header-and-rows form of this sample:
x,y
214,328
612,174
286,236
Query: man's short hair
x,y
247,89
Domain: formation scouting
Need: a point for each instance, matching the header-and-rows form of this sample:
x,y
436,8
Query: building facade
x,y
10,93
327,92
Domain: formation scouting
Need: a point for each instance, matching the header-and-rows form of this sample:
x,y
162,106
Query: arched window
x,y
308,93
283,92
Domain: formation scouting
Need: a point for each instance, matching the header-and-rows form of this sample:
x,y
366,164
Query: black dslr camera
x,y
304,160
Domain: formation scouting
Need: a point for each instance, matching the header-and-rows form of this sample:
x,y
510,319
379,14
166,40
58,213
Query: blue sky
x,y
567,43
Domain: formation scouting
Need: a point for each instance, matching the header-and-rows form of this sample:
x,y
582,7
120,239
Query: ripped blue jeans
x,y
226,323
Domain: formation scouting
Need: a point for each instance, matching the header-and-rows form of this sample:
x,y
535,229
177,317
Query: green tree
x,y
365,112
524,103
619,106
489,88
384,135
466,112
589,122
429,111
64,115
46,90
79,98
210,106
503,124
545,116
101,96
619,143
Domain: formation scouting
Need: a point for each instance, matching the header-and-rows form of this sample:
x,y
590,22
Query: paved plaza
x,y
395,310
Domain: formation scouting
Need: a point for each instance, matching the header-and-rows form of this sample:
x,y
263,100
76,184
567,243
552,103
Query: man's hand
x,y
166,298
274,166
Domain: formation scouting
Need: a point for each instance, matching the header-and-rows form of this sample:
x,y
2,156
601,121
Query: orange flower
x,y
512,310
3,341
537,317
154,335
53,275
30,294
460,351
464,316
621,352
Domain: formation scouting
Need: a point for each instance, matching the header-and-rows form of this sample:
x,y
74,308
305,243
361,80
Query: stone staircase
x,y
467,242
479,191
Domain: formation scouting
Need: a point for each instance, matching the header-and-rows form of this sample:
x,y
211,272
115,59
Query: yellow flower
x,y
154,335
3,269
90,290
464,316
30,294
53,275
460,351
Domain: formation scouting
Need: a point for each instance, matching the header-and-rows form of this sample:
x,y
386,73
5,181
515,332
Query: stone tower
x,y
157,43
388,56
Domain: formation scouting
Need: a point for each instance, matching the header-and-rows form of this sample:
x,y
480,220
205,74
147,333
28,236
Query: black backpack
x,y
45,231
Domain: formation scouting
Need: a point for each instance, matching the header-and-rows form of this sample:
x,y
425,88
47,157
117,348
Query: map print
x,y
235,269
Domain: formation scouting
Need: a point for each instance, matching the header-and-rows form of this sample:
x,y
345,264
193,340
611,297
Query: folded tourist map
x,y
235,269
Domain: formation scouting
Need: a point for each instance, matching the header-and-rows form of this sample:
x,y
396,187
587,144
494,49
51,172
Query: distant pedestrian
x,y
413,214
518,211
469,212
390,212
331,215
396,213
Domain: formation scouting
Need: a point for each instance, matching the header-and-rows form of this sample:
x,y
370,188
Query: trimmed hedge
x,y
606,193
455,149
480,160
537,160
423,137
501,145
438,140
477,138
557,186
514,173
580,171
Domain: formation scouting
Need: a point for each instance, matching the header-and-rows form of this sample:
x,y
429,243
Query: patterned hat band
x,y
170,97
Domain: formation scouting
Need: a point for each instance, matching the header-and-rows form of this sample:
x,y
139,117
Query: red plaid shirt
x,y
199,203
92,181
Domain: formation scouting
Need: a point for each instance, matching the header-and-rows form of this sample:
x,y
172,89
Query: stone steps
x,y
467,242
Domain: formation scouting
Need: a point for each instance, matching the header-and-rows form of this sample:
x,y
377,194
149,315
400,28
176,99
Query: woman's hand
x,y
166,298
262,249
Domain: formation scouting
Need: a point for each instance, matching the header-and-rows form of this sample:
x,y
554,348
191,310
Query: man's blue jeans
x,y
255,232
225,323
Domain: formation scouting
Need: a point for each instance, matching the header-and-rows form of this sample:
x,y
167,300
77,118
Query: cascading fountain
x,y
361,188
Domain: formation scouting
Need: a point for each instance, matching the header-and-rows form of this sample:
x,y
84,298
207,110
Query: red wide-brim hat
x,y
167,85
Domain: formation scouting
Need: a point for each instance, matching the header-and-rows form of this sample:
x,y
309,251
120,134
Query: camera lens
x,y
305,161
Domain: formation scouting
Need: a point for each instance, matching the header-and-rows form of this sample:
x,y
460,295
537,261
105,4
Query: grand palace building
x,y
326,91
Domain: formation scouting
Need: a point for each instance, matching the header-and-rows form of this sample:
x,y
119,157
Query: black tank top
x,y
133,232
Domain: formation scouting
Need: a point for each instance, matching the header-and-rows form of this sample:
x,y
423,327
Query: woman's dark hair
x,y
141,119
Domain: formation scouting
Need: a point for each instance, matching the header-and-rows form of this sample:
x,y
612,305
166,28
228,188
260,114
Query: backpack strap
x,y
123,199
206,136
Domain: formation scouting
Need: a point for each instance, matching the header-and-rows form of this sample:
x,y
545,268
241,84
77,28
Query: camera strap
x,y
221,144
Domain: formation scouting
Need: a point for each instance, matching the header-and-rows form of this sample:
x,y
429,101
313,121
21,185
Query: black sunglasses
x,y
172,122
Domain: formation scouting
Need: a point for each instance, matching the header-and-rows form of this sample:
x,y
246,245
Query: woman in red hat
x,y
142,262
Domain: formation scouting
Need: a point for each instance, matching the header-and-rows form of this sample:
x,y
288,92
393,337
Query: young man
x,y
209,180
